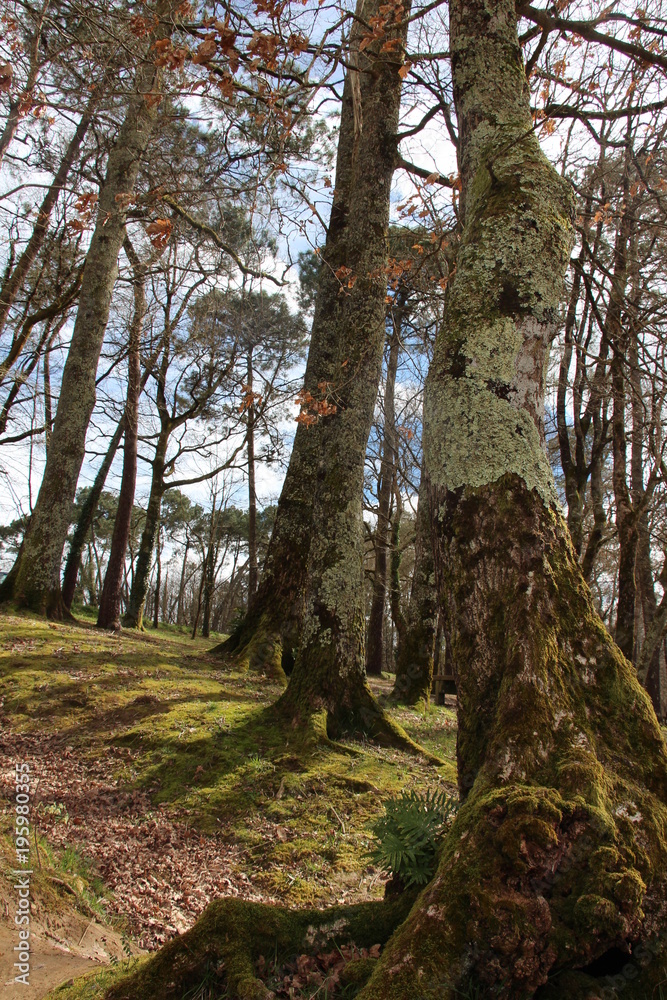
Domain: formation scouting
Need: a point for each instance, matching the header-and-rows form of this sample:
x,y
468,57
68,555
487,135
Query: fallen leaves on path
x,y
162,873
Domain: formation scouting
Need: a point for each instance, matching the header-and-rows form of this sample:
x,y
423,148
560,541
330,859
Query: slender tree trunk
x,y
558,853
158,578
134,613
356,240
48,415
14,280
37,582
329,672
209,585
15,103
375,636
109,613
626,519
57,310
397,615
86,516
252,492
414,658
180,610
202,583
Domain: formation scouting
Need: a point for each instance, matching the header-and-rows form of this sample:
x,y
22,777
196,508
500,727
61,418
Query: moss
x,y
232,934
559,852
208,749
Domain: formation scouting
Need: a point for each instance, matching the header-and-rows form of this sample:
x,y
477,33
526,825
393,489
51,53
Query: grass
x,y
207,746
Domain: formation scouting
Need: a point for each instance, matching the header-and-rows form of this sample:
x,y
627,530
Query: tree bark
x,y
414,658
14,280
558,853
109,612
252,492
626,517
375,635
37,581
329,672
355,241
180,610
158,577
134,614
86,517
397,615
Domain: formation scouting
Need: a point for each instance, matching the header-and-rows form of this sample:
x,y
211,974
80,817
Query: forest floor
x,y
161,780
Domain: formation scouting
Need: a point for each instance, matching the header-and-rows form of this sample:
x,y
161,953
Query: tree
x,y
320,503
195,363
35,583
545,837
109,612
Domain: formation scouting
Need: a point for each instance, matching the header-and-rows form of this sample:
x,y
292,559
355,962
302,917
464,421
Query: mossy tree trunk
x,y
414,657
37,578
109,611
339,366
329,672
559,851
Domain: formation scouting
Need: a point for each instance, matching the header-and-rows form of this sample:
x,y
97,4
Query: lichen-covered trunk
x,y
37,580
559,851
109,610
329,672
414,657
134,613
348,295
376,619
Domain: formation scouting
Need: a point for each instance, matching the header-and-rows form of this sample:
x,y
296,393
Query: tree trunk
x,y
329,672
397,615
109,613
48,414
15,103
180,610
134,613
252,492
414,658
37,582
86,517
558,853
14,280
626,518
375,636
209,584
158,578
354,239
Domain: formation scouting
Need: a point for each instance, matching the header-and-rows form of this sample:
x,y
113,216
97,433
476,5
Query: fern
x,y
409,832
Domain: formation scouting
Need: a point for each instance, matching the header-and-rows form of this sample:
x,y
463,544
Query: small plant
x,y
409,832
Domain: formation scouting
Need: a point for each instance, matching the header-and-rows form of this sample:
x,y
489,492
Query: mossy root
x,y
231,935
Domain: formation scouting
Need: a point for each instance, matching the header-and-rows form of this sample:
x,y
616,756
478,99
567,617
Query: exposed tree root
x,y
362,719
232,934
259,650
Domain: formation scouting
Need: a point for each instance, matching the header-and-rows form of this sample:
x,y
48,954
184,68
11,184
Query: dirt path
x,y
69,947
